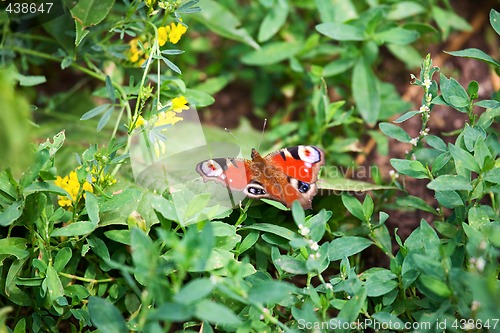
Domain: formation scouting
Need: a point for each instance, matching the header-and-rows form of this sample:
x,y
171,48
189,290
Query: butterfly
x,y
286,175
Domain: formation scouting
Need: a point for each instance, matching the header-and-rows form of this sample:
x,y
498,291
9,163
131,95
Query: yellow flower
x,y
179,104
167,118
71,185
135,54
140,122
175,32
162,36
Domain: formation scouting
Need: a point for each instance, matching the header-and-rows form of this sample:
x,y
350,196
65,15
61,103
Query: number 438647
x,y
28,8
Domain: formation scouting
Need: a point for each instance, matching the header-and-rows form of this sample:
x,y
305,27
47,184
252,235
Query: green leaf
x,y
368,208
413,169
344,184
450,183
291,265
248,241
92,207
488,104
194,290
44,187
273,21
88,13
172,312
347,246
106,316
74,229
436,142
13,246
495,20
338,66
406,116
30,80
298,214
388,320
96,111
62,258
440,162
352,307
197,204
453,92
53,283
394,132
463,159
198,98
40,159
397,35
273,229
415,202
216,313
449,199
493,176
271,53
475,54
11,213
434,286
404,9
410,56
341,31
353,206
270,291
478,217
224,23
20,326
366,92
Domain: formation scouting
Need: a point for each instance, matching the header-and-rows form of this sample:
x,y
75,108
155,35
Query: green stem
x,y
79,278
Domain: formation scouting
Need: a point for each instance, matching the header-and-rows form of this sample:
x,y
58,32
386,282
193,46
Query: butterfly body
x,y
287,175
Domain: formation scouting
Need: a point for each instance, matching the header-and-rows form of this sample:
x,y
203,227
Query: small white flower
x,y
266,311
414,141
329,286
475,305
424,109
311,256
423,133
428,98
317,255
427,83
314,246
480,263
304,231
393,174
301,226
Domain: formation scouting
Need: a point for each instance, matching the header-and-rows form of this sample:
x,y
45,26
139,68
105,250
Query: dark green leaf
x,y
271,53
436,142
397,35
105,316
395,132
53,283
388,320
463,159
291,265
88,13
92,207
415,202
347,246
488,104
340,31
413,169
353,206
273,229
449,199
273,21
495,20
62,258
11,213
366,92
406,116
74,229
453,92
194,290
270,292
96,111
450,183
298,214
172,312
216,313
475,54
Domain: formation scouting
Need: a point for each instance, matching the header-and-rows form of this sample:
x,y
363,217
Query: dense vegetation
x,y
105,226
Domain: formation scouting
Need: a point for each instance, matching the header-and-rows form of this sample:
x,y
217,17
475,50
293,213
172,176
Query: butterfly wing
x,y
230,172
299,162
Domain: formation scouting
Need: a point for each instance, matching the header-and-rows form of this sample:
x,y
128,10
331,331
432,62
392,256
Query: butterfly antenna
x,y
262,134
232,134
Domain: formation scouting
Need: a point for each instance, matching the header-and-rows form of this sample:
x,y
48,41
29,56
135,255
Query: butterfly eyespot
x,y
256,191
309,154
303,187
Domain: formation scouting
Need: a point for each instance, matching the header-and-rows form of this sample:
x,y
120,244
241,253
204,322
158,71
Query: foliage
x,y
85,248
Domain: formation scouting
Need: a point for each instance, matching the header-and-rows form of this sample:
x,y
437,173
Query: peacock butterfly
x,y
286,175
